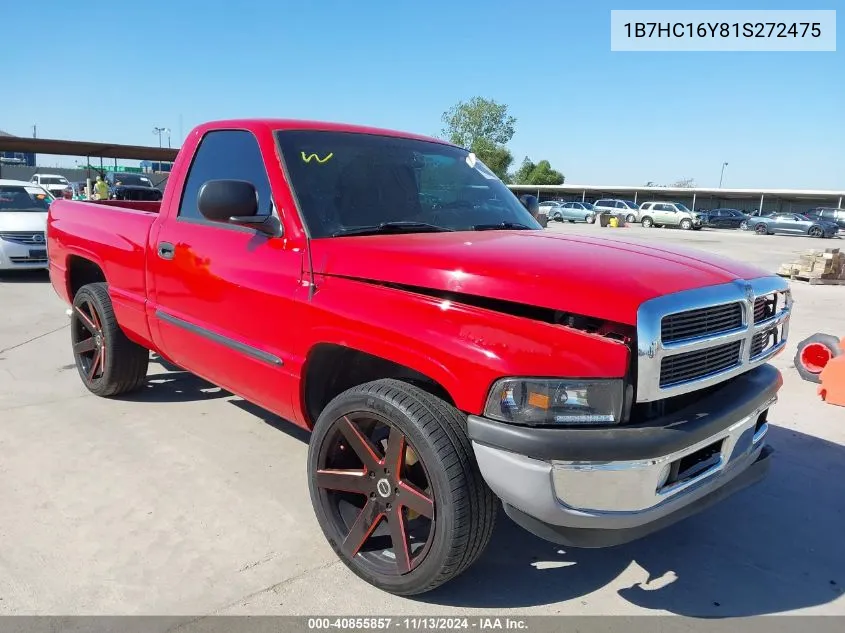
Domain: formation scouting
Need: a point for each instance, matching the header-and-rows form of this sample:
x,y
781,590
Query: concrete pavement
x,y
185,500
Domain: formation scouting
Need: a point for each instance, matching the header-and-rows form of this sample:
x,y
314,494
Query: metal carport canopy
x,y
85,148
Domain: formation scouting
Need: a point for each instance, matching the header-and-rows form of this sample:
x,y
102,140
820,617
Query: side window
x,y
226,154
646,206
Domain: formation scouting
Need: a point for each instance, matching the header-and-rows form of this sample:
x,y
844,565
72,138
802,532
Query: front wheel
x,y
647,222
761,229
743,225
590,219
396,488
686,225
108,362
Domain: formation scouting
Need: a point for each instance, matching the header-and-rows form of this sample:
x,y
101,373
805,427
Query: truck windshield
x,y
18,199
345,181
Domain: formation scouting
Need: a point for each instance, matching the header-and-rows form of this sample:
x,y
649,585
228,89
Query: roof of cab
x,y
302,124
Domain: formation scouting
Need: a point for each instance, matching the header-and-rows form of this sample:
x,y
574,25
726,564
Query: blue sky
x,y
600,117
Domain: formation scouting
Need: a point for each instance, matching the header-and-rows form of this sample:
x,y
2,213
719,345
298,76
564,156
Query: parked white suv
x,y
54,183
669,214
624,209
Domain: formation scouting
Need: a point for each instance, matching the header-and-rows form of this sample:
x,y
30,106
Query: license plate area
x,y
38,253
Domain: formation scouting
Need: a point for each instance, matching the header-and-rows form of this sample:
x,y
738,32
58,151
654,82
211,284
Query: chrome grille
x,y
23,237
691,324
704,362
694,339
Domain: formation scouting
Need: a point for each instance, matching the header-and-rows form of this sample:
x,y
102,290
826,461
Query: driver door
x,y
227,298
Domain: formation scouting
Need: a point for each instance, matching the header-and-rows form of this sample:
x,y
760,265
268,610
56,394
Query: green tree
x,y
497,157
478,119
484,127
530,173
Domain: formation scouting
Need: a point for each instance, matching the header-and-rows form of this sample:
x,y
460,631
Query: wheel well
x,y
81,272
332,369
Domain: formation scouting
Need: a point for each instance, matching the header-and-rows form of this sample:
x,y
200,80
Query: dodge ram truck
x,y
383,291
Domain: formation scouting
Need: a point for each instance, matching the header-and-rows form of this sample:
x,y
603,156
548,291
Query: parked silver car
x,y
627,210
571,211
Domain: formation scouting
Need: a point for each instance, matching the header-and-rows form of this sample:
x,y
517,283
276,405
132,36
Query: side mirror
x,y
234,202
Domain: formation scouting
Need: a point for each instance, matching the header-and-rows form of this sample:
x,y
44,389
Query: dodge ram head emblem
x,y
749,293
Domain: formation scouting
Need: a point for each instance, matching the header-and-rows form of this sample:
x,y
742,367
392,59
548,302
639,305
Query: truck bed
x,y
112,235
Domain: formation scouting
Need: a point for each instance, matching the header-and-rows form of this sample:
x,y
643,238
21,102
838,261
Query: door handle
x,y
166,250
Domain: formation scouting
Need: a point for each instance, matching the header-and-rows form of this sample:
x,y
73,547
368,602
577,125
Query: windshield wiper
x,y
392,227
501,225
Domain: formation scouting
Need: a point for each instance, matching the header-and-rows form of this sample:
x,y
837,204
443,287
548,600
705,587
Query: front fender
x,y
463,348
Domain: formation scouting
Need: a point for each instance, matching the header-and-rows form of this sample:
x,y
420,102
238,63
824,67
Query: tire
x,y
760,229
743,225
686,224
647,222
631,218
571,221
815,231
557,217
814,353
589,219
116,365
443,480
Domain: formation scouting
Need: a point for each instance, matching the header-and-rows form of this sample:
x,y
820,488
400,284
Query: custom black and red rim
x,y
376,494
89,343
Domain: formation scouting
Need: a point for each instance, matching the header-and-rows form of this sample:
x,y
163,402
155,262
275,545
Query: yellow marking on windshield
x,y
308,158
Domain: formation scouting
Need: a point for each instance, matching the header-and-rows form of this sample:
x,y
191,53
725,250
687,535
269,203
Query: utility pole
x,y
722,175
33,132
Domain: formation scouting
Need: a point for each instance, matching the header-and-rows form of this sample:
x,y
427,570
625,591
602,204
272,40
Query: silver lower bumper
x,y
622,494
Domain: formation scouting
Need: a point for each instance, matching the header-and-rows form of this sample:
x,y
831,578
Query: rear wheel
x,y
647,222
816,231
631,218
108,362
396,488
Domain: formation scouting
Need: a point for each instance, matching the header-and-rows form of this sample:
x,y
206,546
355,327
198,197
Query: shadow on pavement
x,y
178,385
771,548
24,276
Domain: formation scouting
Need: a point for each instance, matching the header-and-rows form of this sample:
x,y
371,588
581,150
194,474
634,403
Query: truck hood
x,y
23,221
590,276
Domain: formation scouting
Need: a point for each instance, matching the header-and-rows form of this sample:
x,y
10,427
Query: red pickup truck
x,y
388,293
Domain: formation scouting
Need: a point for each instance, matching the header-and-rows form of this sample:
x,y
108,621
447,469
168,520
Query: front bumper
x,y
602,487
17,256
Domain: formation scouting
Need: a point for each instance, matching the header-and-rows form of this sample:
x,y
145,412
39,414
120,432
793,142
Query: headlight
x,y
540,401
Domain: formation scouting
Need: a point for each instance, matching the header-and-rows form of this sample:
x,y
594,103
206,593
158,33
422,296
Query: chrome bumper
x,y
635,486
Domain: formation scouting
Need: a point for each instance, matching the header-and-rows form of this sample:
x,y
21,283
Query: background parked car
x,y
54,183
572,212
793,224
828,214
669,214
23,225
724,218
627,210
